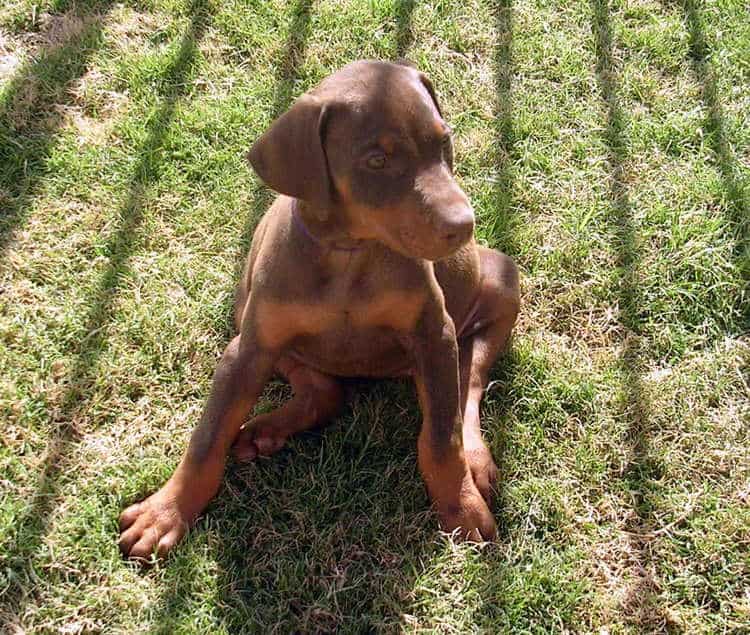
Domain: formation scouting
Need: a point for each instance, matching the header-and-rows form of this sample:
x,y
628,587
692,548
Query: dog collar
x,y
297,220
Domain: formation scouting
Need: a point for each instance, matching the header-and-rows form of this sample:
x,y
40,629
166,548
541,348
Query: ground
x,y
604,145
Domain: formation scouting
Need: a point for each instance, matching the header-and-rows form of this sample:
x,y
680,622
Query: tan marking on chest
x,y
398,310
277,323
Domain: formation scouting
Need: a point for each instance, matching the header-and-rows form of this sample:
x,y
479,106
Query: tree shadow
x,y
504,224
642,470
735,186
287,75
91,341
28,122
404,34
175,604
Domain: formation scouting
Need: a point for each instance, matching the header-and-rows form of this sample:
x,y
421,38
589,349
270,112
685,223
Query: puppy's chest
x,y
339,311
358,312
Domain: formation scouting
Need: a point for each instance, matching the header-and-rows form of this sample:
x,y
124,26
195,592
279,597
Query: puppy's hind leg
x,y
317,398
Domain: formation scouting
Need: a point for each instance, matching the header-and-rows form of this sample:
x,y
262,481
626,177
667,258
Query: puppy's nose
x,y
458,226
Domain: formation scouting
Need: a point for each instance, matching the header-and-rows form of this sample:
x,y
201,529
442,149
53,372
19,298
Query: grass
x,y
605,146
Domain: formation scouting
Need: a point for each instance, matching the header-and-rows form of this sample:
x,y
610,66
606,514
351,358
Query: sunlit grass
x,y
606,147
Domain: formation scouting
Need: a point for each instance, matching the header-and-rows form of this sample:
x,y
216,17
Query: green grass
x,y
605,146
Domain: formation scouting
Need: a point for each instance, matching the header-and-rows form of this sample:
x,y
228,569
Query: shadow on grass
x,y
404,34
736,188
515,593
29,106
642,470
91,342
323,536
504,228
176,603
505,225
287,74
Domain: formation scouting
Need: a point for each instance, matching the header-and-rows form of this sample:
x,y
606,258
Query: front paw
x,y
153,526
470,517
482,466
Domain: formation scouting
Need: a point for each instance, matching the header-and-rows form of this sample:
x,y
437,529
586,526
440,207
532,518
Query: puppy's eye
x,y
376,162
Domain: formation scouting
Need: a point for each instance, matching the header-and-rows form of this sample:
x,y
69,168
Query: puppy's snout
x,y
457,226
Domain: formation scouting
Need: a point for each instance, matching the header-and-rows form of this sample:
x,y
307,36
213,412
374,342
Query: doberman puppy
x,y
364,266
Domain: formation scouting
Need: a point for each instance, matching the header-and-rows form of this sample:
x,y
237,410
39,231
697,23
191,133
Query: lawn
x,y
604,145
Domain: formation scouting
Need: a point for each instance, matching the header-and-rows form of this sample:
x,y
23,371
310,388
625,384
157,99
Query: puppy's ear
x,y
402,61
290,156
428,86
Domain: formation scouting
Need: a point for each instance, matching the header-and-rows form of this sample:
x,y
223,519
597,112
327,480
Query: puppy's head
x,y
368,147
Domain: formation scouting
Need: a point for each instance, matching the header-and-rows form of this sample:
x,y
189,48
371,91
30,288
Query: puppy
x,y
365,265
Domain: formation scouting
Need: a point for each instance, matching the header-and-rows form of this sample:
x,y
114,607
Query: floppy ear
x,y
428,85
290,158
402,61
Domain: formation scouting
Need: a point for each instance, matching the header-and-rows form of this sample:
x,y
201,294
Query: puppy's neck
x,y
329,235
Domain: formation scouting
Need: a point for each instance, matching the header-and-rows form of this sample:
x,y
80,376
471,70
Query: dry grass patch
x,y
12,53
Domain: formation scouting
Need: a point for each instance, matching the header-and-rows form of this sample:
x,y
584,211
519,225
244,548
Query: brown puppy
x,y
365,266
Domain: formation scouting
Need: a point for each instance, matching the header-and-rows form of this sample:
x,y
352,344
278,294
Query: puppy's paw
x,y
263,436
470,519
152,527
483,468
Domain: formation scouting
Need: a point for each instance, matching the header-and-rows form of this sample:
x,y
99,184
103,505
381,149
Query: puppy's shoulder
x,y
271,238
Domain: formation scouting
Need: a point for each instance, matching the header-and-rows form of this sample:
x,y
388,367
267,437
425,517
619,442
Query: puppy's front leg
x,y
441,455
161,520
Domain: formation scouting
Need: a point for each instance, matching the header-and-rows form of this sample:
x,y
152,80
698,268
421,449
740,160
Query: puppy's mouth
x,y
434,250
